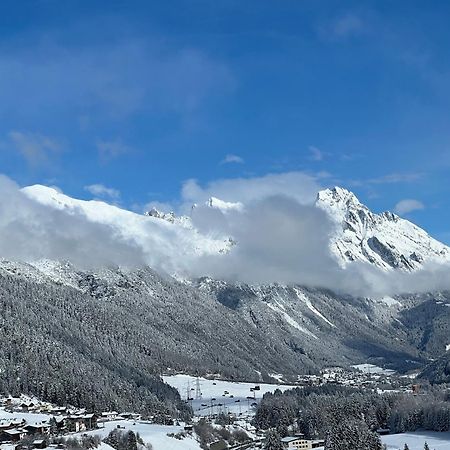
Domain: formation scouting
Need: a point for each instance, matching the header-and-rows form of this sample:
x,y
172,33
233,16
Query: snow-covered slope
x,y
172,240
216,203
384,240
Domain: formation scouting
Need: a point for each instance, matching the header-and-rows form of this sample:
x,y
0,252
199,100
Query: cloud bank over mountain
x,y
30,231
277,234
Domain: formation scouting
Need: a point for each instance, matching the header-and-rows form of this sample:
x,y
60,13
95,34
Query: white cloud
x,y
113,79
109,150
300,186
36,148
160,206
343,27
231,158
281,237
100,190
348,25
397,178
30,231
408,205
278,240
316,154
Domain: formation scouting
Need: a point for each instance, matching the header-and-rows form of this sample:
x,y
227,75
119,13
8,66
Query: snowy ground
x,y
151,433
416,440
229,396
31,418
370,368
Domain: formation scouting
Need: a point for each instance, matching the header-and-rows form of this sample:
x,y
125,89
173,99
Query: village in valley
x,y
25,417
223,408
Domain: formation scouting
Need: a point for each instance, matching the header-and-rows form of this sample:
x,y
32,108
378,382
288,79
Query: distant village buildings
x,y
299,442
61,420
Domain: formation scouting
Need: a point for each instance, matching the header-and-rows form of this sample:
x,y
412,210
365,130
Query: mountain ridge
x,y
385,241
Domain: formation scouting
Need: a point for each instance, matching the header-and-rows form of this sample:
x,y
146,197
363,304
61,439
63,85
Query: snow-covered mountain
x,y
385,240
168,242
200,325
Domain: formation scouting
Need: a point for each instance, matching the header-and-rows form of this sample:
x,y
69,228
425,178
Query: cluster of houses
x,y
15,430
360,378
19,423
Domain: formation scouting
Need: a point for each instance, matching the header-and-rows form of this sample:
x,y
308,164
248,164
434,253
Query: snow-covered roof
x,y
292,438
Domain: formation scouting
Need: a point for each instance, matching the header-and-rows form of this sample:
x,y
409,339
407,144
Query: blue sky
x,y
139,97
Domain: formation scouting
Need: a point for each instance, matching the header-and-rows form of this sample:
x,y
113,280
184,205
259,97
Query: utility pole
x,y
198,392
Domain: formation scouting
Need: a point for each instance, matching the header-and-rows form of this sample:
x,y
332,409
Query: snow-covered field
x,y
371,368
151,433
416,440
229,396
31,418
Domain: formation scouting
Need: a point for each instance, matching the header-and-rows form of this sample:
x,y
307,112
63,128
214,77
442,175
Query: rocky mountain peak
x,y
337,196
384,240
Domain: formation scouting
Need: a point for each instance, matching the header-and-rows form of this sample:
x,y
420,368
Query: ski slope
x,y
229,396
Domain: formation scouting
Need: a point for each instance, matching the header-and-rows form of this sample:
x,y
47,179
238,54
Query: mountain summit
x,y
384,240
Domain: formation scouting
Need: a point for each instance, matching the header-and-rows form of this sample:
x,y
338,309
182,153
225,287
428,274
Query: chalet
x,y
39,443
109,415
16,423
299,443
129,416
90,421
11,424
75,423
58,410
60,423
5,426
383,431
38,428
27,406
12,435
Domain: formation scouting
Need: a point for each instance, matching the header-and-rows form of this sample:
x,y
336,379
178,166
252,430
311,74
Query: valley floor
x,y
416,440
156,435
234,397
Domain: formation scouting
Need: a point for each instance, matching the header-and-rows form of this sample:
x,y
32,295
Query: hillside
x,y
109,332
173,243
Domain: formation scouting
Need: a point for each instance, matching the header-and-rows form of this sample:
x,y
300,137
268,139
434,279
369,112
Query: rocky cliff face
x,y
384,240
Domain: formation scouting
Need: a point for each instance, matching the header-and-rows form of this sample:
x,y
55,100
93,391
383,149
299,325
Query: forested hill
x,y
438,371
101,339
103,343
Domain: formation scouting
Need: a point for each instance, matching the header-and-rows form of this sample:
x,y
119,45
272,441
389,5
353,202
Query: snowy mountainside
x,y
126,326
267,329
172,238
132,324
216,203
384,240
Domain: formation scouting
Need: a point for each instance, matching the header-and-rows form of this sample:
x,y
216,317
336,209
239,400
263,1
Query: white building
x,y
299,442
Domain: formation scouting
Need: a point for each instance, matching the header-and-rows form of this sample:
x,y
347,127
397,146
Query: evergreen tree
x,y
273,441
131,441
350,435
